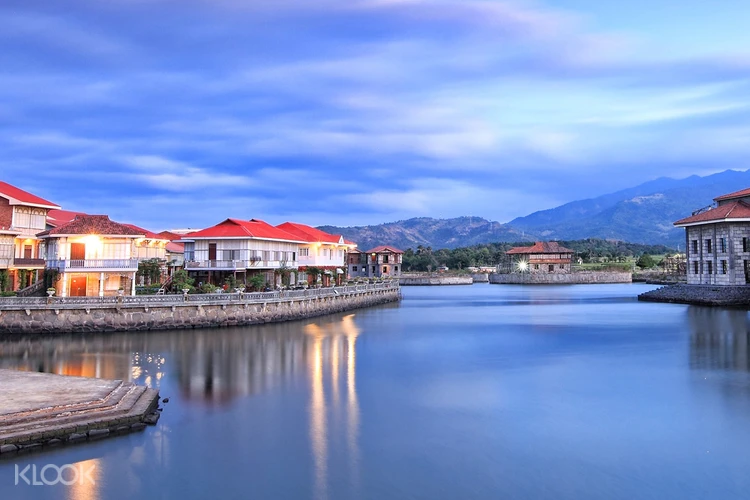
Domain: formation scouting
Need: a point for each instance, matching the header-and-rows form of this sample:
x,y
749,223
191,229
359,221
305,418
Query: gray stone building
x,y
717,240
378,262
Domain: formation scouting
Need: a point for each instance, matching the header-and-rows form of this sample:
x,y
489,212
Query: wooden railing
x,y
16,303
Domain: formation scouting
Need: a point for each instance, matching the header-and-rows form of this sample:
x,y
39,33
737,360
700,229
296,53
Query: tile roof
x,y
148,234
236,228
733,210
384,248
59,217
309,233
18,196
168,235
540,247
173,247
93,224
737,194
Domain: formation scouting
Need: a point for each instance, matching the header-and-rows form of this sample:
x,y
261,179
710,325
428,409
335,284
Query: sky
x,y
181,113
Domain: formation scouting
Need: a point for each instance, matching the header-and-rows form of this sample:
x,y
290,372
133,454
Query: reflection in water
x,y
333,337
89,475
719,339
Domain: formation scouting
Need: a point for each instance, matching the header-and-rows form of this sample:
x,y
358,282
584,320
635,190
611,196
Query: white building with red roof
x,y
240,248
542,257
321,250
22,216
93,255
717,240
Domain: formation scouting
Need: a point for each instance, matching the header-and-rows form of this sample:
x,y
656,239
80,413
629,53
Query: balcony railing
x,y
93,265
235,265
28,262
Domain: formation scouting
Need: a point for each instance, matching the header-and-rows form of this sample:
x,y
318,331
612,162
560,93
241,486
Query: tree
x,y
645,261
256,282
150,270
181,281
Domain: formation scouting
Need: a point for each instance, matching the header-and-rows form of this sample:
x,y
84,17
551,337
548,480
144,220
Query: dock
x,y
41,409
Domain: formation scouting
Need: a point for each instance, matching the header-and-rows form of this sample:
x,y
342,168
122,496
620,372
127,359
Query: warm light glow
x,y
523,266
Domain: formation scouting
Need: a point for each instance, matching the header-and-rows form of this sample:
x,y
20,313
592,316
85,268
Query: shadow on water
x,y
719,338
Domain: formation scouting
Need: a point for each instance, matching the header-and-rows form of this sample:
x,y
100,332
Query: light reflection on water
x,y
469,392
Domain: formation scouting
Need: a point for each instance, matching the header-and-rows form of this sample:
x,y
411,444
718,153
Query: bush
x,y
645,261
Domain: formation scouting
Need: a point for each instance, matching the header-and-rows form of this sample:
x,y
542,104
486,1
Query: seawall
x,y
435,280
576,278
110,314
704,295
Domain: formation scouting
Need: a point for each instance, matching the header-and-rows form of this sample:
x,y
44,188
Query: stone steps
x,y
126,408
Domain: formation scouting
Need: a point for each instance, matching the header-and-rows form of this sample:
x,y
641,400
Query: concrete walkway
x,y
38,409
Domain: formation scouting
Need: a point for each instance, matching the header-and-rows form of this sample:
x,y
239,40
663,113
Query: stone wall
x,y
583,277
31,319
707,295
435,280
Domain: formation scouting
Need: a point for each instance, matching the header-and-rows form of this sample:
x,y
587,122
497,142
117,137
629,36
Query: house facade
x,y
379,262
22,216
542,257
717,240
93,256
239,248
321,250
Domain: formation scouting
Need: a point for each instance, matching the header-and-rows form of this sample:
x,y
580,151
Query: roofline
x,y
715,221
134,236
193,238
16,202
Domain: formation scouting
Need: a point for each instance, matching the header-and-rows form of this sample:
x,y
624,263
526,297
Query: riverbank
x,y
435,280
41,409
704,295
576,278
110,314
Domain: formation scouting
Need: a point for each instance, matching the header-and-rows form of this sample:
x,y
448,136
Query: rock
x,y
76,436
54,442
97,433
8,448
151,418
165,400
138,426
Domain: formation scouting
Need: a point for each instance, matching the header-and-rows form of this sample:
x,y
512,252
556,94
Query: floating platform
x,y
41,409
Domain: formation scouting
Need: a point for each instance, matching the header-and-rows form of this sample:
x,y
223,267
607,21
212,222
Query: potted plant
x,y
51,291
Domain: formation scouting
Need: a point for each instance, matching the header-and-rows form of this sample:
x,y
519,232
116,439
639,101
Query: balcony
x,y
236,265
93,265
28,263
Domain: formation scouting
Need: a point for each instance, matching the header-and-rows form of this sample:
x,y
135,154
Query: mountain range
x,y
641,214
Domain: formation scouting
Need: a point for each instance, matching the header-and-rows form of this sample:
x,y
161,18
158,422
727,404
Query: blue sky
x,y
171,113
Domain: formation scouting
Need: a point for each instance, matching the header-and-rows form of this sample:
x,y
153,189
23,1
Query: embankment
x,y
704,295
576,278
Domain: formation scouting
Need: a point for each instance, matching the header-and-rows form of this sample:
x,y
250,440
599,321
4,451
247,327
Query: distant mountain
x,y
641,214
429,232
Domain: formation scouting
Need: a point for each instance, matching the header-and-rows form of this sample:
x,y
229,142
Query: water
x,y
484,391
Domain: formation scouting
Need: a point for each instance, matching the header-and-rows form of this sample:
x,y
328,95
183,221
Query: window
x,y
723,267
723,245
536,266
695,267
354,269
744,244
373,269
709,267
385,259
551,267
695,246
708,247
562,266
395,269
304,252
385,269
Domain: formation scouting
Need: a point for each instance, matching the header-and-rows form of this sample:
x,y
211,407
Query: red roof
x,y
173,247
309,233
18,196
384,248
737,194
149,235
733,210
59,217
540,247
93,224
167,235
236,228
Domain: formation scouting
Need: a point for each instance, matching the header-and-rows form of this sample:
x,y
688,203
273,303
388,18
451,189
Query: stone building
x,y
379,262
541,257
717,240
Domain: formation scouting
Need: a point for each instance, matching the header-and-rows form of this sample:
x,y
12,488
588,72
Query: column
x,y
64,289
132,285
101,284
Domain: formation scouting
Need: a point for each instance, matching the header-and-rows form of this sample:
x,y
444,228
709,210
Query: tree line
x,y
492,254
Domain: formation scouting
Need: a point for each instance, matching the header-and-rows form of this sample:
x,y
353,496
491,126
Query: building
x,y
93,256
22,216
541,257
239,249
717,240
321,250
379,262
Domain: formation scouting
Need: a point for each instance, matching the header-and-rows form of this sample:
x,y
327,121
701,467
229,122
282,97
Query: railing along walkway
x,y
16,303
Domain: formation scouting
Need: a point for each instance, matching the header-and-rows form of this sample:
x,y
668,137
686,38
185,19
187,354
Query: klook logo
x,y
51,475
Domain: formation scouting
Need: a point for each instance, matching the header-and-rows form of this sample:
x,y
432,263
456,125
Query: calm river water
x,y
468,392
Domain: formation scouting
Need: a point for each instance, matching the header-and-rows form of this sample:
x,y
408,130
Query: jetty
x,y
41,409
703,295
